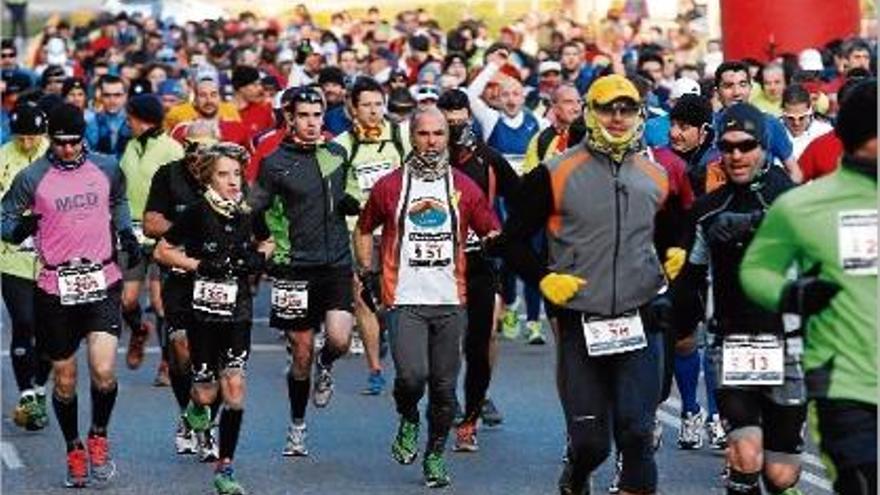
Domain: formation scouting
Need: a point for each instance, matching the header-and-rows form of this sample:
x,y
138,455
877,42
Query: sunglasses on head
x,y
742,146
308,96
624,108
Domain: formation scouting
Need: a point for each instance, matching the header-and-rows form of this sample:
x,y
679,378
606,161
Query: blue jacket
x,y
108,133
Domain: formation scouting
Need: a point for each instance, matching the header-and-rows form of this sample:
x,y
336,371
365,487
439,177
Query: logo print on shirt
x,y
86,201
427,212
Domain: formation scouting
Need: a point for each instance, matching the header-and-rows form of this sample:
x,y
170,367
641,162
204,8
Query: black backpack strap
x,y
397,141
544,139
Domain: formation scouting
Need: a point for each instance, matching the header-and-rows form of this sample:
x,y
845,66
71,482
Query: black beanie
x,y
27,120
140,87
331,75
743,117
857,118
243,75
72,83
66,120
692,110
147,108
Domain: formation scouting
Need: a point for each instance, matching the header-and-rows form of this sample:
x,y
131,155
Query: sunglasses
x,y
743,146
797,118
308,96
624,108
7,54
62,142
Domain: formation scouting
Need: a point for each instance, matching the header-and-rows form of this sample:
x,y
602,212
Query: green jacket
x,y
142,157
13,259
803,228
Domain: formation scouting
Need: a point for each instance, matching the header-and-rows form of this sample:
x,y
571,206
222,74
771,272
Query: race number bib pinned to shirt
x,y
429,249
857,242
216,297
81,283
290,299
752,360
614,335
368,174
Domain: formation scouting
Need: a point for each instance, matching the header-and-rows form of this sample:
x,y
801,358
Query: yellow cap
x,y
609,88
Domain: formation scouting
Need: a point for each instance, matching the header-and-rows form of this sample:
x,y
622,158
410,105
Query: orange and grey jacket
x,y
599,217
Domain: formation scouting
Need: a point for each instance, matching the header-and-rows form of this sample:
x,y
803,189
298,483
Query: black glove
x,y
129,243
252,263
371,291
348,206
27,226
662,317
213,268
730,226
807,295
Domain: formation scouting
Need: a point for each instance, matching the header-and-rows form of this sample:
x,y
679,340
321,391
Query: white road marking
x,y
10,456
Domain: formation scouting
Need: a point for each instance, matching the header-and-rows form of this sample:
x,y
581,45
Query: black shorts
x,y
214,347
60,328
328,288
782,426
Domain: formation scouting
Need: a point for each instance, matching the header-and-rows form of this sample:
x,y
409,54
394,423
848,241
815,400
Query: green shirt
x,y
141,159
813,225
13,259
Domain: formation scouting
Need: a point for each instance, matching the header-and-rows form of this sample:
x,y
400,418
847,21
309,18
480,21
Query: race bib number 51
x,y
614,335
857,242
81,284
752,360
215,296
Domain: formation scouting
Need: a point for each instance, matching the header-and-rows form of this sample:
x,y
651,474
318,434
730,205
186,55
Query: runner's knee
x,y
780,477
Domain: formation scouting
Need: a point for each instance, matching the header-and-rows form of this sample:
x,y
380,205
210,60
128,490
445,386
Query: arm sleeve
x,y
18,199
779,143
533,206
768,257
184,226
372,214
119,208
159,198
482,218
485,115
689,288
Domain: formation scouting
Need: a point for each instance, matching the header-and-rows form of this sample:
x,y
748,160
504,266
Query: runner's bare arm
x,y
174,257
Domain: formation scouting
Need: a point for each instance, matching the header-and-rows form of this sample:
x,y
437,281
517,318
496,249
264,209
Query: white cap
x,y
549,66
811,60
426,92
684,86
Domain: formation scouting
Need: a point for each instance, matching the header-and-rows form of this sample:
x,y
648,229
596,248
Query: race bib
x,y
614,335
81,284
369,174
215,296
290,299
752,360
473,242
429,249
857,242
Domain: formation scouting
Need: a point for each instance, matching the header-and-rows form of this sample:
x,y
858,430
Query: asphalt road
x,y
349,441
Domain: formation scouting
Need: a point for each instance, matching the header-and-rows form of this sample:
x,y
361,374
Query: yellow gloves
x,y
675,258
559,287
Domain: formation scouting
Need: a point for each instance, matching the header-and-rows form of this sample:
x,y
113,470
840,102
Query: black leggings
x,y
478,336
28,364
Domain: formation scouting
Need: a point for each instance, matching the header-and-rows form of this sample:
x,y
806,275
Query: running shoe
x,y
357,345
30,414
510,324
717,435
535,331
323,386
136,345
77,468
185,439
102,466
320,339
614,487
40,416
295,445
209,450
375,383
162,379
225,482
404,449
434,469
466,437
490,414
658,434
690,430
198,418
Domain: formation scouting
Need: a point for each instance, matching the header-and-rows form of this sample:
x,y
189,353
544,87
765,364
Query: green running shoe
x,y
535,331
510,324
225,482
40,418
404,449
198,418
434,469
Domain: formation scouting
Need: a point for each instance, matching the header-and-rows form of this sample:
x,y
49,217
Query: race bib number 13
x,y
614,335
857,242
752,360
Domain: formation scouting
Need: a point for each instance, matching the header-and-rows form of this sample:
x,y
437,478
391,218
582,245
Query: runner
x,y
599,283
107,131
425,209
72,202
148,150
829,231
374,146
220,245
764,412
489,170
302,184
208,106
18,268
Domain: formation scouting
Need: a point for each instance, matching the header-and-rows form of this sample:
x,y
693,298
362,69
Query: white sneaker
x,y
323,389
184,439
295,445
209,449
357,345
690,431
716,433
320,339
